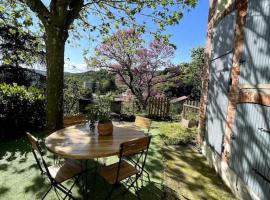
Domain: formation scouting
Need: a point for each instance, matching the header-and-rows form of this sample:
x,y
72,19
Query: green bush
x,y
21,110
175,134
191,114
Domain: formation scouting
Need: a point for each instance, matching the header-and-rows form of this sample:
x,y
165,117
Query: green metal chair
x,y
135,150
57,173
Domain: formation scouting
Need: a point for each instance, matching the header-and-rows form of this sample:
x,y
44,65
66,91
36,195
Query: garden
x,y
174,162
176,171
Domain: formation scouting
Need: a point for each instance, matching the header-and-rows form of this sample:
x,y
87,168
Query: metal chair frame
x,y
42,165
147,134
138,160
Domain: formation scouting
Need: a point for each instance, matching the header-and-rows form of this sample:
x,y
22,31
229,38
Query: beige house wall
x,y
230,178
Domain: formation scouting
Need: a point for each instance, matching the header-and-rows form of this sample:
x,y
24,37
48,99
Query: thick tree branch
x,y
39,8
75,6
53,4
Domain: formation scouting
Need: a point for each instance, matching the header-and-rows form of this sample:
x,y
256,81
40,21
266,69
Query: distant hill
x,y
44,73
28,77
22,76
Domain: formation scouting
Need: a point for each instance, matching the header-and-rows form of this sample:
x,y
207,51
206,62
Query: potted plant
x,y
105,126
92,115
101,112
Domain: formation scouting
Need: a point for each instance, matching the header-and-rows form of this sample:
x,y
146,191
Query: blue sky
x,y
188,34
191,31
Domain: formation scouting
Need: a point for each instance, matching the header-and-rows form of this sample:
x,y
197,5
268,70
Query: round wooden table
x,y
77,142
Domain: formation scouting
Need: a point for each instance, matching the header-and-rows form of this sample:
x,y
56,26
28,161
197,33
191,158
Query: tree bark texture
x,y
57,19
55,47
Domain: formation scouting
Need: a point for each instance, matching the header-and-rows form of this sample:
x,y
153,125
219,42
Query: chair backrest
x,y
136,150
143,122
73,120
135,146
38,154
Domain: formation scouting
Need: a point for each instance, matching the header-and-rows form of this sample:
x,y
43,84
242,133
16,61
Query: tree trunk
x,y
141,103
55,47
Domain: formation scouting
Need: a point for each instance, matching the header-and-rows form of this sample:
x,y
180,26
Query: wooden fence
x,y
190,109
159,107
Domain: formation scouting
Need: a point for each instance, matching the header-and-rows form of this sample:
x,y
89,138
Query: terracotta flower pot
x,y
105,129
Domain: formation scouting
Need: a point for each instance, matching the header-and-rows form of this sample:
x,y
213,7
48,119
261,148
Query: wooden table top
x,y
77,142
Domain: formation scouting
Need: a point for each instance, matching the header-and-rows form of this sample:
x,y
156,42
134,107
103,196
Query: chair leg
x,y
131,185
137,190
142,178
148,175
43,197
67,193
66,189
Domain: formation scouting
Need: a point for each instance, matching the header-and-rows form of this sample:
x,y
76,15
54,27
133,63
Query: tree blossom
x,y
135,64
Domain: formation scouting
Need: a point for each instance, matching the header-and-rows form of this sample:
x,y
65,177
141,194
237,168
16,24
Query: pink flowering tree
x,y
135,64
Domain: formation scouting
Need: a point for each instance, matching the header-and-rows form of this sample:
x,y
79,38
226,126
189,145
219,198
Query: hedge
x,y
21,109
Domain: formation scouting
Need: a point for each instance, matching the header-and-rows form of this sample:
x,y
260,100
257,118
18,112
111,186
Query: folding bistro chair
x,y
143,123
124,169
74,120
58,173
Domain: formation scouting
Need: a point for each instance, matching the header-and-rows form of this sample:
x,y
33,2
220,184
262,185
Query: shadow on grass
x,y
38,186
17,148
189,173
99,190
3,190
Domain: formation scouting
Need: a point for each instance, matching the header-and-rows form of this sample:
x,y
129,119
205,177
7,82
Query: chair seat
x,y
109,172
66,170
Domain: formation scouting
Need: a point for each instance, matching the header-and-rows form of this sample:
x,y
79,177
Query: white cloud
x,y
69,67
75,67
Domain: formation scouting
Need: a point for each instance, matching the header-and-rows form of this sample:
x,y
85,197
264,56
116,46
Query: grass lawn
x,y
21,179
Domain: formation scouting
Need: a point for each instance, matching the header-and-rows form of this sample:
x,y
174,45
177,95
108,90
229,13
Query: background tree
x,y
57,18
137,66
105,79
184,79
73,91
174,86
192,74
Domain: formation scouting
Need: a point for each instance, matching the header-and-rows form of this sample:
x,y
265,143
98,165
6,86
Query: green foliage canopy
x,y
73,91
18,44
193,73
105,79
185,79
